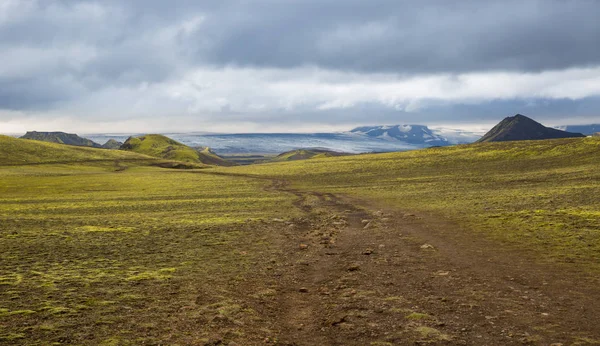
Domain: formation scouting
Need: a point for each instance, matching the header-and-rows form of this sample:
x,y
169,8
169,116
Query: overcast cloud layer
x,y
295,65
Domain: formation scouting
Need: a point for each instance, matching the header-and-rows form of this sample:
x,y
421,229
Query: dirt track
x,y
350,275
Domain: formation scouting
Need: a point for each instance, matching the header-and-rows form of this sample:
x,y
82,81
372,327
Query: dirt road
x,y
350,274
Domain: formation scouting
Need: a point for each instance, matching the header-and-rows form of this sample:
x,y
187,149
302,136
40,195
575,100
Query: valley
x,y
492,243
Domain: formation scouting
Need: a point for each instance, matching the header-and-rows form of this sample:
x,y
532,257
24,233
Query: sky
x,y
295,65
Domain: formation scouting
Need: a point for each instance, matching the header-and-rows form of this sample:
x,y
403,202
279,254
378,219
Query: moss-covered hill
x,y
167,148
16,151
304,154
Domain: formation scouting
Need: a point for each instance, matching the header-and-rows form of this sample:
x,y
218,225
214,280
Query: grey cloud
x,y
126,43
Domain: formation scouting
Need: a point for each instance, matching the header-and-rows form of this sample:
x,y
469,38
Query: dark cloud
x,y
407,37
57,52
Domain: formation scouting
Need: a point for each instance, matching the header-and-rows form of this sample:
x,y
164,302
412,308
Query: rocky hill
x,y
62,138
521,128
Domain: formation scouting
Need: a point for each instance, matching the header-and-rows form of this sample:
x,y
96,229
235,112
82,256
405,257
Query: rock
x,y
278,220
303,246
353,267
368,252
427,247
303,290
364,222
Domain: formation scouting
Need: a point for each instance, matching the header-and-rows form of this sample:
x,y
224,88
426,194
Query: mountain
x,y
587,130
112,144
167,148
62,138
520,128
304,154
412,134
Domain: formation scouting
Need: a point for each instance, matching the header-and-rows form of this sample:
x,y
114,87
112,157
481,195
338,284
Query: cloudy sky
x,y
294,65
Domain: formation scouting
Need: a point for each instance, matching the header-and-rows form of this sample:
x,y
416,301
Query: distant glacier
x,y
359,140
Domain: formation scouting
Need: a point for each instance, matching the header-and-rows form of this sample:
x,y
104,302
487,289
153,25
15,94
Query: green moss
x,y
418,316
161,274
431,334
12,336
538,195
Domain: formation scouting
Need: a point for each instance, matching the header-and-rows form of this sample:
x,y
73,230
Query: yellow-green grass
x,y
140,256
161,146
208,157
164,147
304,154
538,195
15,151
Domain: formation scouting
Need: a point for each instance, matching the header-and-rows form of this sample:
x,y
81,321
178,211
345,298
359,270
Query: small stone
x,y
368,252
303,290
364,222
353,267
427,247
303,246
278,220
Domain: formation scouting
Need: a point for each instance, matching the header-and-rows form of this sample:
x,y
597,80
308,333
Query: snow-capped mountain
x,y
413,134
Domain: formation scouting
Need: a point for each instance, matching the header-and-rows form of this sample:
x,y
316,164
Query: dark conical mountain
x,y
62,138
522,128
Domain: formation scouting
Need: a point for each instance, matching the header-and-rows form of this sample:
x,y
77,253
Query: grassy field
x,y
94,255
540,196
103,247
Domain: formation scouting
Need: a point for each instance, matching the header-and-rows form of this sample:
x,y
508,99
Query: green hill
x,y
304,154
112,144
61,138
167,148
17,151
207,156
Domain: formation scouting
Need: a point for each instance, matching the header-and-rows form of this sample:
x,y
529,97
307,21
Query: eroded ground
x,y
144,256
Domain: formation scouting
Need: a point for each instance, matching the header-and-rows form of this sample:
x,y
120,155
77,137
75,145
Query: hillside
x,y
207,156
167,148
304,154
412,134
61,138
17,151
112,144
520,128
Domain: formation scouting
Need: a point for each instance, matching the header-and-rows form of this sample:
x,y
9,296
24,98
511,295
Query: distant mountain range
x,y
587,130
62,138
412,134
520,128
69,139
378,138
